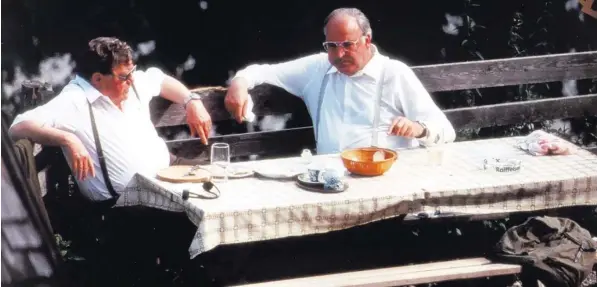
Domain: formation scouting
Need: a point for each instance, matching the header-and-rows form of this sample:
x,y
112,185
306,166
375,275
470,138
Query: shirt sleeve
x,y
419,106
292,76
57,113
148,83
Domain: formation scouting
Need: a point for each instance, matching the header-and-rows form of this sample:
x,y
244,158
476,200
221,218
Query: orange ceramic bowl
x,y
360,160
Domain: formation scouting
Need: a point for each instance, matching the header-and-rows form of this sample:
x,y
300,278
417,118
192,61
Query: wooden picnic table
x,y
255,209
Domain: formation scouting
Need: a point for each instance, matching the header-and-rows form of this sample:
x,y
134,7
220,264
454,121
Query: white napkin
x,y
541,143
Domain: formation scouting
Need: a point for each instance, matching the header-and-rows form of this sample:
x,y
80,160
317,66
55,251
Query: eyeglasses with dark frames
x,y
126,77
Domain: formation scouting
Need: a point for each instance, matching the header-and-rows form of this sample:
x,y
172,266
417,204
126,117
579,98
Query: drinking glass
x,y
220,160
435,155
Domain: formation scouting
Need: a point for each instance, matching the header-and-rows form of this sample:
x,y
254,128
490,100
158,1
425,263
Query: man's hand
x,y
237,99
199,120
404,127
82,165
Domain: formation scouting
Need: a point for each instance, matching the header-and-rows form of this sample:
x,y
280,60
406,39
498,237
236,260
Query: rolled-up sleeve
x,y
149,83
419,106
56,113
291,76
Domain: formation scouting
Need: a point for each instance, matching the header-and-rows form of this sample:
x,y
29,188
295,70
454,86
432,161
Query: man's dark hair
x,y
101,55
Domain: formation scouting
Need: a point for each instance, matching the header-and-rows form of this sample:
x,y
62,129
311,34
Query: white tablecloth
x,y
254,209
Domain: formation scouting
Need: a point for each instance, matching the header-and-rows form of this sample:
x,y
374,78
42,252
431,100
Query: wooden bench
x,y
404,275
170,118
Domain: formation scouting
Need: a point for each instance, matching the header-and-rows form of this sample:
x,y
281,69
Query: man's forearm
x,y
239,83
43,135
174,90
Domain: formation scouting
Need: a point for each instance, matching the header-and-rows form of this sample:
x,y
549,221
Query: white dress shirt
x,y
348,105
129,140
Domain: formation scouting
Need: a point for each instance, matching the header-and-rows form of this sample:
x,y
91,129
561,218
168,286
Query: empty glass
x,y
435,154
220,160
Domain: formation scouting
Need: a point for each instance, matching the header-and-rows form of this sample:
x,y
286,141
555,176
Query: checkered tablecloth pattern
x,y
254,209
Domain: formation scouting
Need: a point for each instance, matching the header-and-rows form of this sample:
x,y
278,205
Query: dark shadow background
x,y
229,34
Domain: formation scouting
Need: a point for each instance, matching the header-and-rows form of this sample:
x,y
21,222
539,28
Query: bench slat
x,y
270,143
404,275
506,72
527,111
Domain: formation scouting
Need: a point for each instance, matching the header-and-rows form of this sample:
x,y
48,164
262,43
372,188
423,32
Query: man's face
x,y
116,85
348,49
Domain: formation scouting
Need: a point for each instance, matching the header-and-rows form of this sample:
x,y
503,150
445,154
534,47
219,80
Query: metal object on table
x,y
194,168
502,165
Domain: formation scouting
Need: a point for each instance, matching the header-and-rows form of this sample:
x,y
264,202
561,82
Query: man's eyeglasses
x,y
346,45
126,77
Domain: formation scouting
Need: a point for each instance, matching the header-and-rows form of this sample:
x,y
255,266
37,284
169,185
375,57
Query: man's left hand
x,y
404,127
199,120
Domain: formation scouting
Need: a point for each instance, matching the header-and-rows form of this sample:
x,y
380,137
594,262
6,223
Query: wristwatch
x,y
190,97
425,130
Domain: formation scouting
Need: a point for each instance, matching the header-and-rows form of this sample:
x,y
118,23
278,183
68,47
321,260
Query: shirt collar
x,y
371,69
91,92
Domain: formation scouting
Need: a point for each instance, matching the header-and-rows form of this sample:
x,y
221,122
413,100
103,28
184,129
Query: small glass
x,y
220,161
435,155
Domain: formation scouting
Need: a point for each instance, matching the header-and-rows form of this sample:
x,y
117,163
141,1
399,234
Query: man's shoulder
x,y
149,70
151,75
397,65
71,95
71,92
318,59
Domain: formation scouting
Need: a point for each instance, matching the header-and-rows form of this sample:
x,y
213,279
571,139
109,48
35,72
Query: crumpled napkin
x,y
540,143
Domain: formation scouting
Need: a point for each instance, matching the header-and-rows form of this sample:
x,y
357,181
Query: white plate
x,y
279,171
239,171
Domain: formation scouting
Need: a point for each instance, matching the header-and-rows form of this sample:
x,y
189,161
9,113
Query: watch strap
x,y
192,96
425,130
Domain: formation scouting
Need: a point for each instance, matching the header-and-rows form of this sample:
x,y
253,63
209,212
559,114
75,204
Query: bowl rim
x,y
393,152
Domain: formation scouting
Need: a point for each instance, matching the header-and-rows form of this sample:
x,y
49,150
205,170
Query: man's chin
x,y
124,97
347,70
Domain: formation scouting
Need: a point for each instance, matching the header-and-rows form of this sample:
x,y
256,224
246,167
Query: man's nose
x,y
130,79
337,52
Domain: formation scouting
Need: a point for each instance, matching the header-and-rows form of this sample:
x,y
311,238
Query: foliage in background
x,y
529,34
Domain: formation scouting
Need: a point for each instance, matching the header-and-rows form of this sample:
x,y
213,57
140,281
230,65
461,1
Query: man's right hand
x,y
82,165
237,99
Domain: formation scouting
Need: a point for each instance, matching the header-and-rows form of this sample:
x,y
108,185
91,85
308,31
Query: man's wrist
x,y
65,138
191,97
239,83
424,130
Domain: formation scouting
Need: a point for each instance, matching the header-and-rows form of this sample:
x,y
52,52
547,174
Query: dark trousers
x,y
139,246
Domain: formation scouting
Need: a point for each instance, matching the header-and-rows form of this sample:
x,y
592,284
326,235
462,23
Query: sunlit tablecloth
x,y
254,209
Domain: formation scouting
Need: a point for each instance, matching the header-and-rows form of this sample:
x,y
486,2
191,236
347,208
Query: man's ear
x,y
96,78
368,39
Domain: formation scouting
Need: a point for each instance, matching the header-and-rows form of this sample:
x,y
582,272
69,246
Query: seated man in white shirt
x,y
342,89
110,96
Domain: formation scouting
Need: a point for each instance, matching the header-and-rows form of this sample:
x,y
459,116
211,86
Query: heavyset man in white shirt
x,y
107,81
356,97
